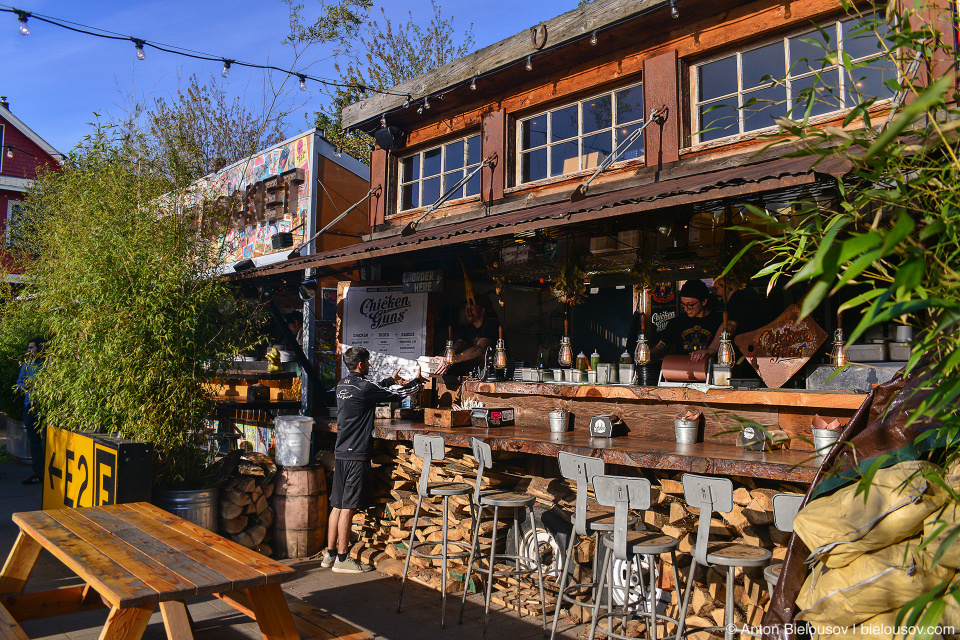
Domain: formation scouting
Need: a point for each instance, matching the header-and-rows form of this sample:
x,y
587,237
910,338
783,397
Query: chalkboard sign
x,y
422,281
391,324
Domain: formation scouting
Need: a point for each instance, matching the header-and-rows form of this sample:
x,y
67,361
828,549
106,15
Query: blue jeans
x,y
36,434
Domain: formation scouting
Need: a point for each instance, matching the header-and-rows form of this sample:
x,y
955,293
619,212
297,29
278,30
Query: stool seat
x,y
506,499
448,489
772,573
645,542
602,521
736,554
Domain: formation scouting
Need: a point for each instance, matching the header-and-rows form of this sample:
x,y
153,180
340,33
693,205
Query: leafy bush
x,y
20,322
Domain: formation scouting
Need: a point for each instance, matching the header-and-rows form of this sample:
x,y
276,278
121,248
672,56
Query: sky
x,y
56,81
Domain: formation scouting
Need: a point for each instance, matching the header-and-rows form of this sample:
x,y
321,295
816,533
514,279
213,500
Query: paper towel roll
x,y
682,369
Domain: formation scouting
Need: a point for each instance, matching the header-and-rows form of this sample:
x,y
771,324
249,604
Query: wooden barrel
x,y
300,512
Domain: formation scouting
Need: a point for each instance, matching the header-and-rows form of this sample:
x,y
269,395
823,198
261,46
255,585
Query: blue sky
x,y
56,80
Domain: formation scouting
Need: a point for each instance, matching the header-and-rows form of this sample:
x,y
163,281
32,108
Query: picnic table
x,y
131,558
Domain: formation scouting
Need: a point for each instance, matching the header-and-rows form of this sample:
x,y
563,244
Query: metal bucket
x,y
824,439
18,444
199,506
685,430
559,421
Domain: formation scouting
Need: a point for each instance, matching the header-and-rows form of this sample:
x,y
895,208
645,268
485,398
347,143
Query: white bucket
x,y
292,440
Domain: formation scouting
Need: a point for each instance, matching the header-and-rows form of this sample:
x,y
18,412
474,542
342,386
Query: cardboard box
x,y
446,417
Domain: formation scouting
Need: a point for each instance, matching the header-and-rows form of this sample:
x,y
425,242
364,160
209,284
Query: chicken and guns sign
x,y
391,324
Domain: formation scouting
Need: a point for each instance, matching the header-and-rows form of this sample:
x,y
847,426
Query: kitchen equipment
x,y
867,352
490,417
547,375
591,376
904,333
681,369
627,374
581,361
594,359
576,375
559,421
899,352
721,375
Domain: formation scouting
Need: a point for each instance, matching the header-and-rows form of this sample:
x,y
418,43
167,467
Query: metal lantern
x,y
448,355
725,352
838,354
566,352
641,355
500,355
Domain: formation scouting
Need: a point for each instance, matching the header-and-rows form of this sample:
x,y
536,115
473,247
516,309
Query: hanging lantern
x,y
641,355
725,352
500,355
448,355
838,354
566,351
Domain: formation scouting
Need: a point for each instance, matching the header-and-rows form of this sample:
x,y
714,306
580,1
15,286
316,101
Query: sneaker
x,y
350,566
328,559
31,480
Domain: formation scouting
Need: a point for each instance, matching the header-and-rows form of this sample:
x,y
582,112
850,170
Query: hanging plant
x,y
570,285
642,274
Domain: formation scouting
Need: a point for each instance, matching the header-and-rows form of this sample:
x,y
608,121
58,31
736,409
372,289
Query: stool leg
x,y
493,558
473,551
543,599
676,575
651,600
443,551
516,549
728,613
596,601
406,564
627,589
568,558
686,598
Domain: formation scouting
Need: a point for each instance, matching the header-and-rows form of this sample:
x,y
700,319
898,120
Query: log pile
x,y
384,530
245,514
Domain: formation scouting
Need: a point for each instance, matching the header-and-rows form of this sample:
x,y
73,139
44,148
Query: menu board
x,y
391,324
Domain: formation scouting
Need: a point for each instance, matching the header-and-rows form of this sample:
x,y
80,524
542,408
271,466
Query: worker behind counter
x,y
481,333
692,331
746,311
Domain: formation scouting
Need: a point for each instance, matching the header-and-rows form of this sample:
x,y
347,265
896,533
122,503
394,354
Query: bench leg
x,y
176,620
19,565
126,624
272,612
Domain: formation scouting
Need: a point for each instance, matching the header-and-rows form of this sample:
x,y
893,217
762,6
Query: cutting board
x,y
780,349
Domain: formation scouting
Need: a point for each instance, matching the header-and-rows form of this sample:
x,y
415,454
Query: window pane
x,y
596,148
718,78
760,63
771,103
473,185
630,105
431,191
473,150
718,121
450,179
431,162
862,38
563,158
824,91
868,81
812,51
410,168
564,123
409,196
533,165
597,114
453,158
635,150
533,132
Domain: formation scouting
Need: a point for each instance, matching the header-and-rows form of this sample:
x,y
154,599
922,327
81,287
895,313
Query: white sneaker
x,y
328,559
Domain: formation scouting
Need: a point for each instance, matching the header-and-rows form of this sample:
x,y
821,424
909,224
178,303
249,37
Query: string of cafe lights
x,y
140,45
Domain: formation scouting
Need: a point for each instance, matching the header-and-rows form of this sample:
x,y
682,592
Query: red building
x,y
23,156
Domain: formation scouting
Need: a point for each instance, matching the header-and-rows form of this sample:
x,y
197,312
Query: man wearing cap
x,y
694,329
483,328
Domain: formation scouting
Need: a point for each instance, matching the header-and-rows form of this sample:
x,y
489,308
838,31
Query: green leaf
x,y
931,96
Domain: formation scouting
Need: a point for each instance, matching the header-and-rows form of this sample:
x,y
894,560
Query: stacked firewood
x,y
384,530
245,514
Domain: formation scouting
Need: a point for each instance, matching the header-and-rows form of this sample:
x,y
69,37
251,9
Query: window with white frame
x,y
579,136
426,175
15,212
745,91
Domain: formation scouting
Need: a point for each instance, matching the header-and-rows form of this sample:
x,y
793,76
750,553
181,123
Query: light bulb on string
x,y
641,353
500,355
138,43
530,62
565,356
383,121
426,103
725,352
9,152
593,38
226,68
473,83
303,82
674,12
406,102
838,354
22,19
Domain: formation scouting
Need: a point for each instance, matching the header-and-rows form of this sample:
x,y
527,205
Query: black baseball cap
x,y
694,289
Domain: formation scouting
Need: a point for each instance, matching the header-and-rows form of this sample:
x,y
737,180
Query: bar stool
x,y
715,494
785,509
624,494
506,500
430,448
581,469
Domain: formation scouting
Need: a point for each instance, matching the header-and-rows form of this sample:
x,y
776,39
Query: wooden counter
x,y
650,453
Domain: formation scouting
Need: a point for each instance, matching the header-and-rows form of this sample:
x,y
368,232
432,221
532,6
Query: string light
x,y
420,109
303,82
383,121
426,103
226,68
9,152
138,43
674,12
406,102
473,83
22,19
593,38
530,62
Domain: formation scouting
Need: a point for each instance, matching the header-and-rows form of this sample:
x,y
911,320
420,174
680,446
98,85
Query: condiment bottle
x,y
625,358
594,359
581,361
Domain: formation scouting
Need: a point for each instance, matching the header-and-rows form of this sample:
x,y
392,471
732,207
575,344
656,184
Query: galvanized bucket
x,y
824,439
685,430
199,506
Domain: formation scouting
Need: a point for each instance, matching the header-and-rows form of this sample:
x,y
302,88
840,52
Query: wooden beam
x,y
661,88
19,565
493,141
53,602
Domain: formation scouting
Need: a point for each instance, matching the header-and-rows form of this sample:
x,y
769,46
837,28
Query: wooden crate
x,y
446,417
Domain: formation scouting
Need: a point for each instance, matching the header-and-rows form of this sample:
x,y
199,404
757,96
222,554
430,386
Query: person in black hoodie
x,y
357,400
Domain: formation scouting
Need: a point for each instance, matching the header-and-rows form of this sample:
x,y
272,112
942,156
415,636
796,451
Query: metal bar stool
x,y
709,495
785,508
624,494
506,500
581,469
430,448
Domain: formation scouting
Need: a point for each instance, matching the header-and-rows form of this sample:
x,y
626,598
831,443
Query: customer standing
x,y
357,399
31,421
